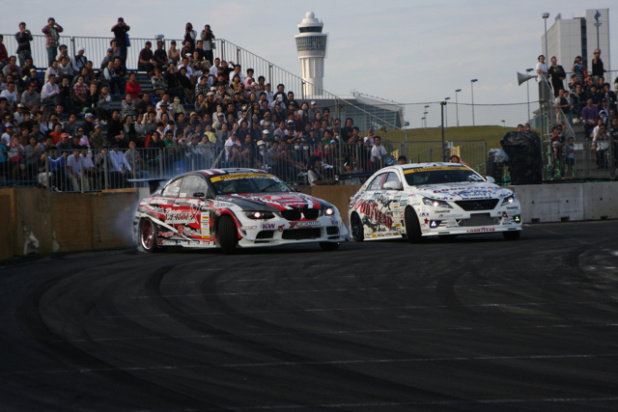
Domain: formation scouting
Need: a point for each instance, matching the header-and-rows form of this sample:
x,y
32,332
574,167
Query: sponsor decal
x,y
165,234
167,242
239,176
512,208
300,224
334,222
371,210
249,227
434,169
280,228
205,225
504,214
452,215
178,216
481,230
441,211
268,226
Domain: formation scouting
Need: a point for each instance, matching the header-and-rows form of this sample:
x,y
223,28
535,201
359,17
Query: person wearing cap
x,y
52,34
146,58
108,57
208,42
121,34
80,61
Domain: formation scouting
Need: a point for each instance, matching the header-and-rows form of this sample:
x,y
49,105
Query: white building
x,y
580,36
311,48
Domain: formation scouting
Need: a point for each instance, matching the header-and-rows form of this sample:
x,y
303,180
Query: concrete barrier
x,y
37,221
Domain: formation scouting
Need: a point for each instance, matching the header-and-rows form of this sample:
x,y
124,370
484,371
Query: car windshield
x,y
247,183
440,175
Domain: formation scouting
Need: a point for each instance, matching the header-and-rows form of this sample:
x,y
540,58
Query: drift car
x,y
234,207
432,199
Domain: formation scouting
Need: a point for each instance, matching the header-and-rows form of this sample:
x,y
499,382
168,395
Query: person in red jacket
x,y
132,87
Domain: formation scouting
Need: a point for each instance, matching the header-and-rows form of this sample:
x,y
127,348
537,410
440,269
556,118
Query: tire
x,y
413,227
148,236
514,235
357,229
329,246
227,234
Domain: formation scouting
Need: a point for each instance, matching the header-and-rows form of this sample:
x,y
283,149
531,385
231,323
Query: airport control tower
x,y
311,47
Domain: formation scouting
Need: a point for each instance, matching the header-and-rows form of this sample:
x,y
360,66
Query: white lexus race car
x,y
432,199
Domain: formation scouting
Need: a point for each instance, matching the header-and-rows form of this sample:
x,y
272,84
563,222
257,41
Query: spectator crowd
x,y
67,121
588,102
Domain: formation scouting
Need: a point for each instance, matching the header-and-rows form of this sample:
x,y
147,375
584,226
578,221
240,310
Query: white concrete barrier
x,y
568,201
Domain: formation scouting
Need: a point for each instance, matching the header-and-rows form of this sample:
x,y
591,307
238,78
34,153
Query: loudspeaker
x,y
521,78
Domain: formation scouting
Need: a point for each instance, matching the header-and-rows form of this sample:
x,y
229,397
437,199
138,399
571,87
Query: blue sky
x,y
406,51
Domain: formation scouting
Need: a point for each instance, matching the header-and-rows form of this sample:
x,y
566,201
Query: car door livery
x,y
376,208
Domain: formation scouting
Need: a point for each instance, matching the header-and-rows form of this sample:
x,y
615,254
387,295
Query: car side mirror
x,y
490,179
392,186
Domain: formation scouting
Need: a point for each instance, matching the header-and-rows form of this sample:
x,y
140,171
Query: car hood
x,y
462,191
279,201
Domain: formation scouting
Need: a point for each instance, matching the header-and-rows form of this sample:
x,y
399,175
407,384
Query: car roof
x,y
217,172
408,166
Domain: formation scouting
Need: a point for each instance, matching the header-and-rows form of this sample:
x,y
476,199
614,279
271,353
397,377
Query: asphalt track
x,y
475,324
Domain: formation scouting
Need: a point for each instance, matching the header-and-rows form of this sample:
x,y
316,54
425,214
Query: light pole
x,y
457,106
545,111
545,17
503,123
597,25
528,70
472,93
425,113
442,106
446,113
423,122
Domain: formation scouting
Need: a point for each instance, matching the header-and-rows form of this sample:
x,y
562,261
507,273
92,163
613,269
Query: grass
x,y
424,144
491,134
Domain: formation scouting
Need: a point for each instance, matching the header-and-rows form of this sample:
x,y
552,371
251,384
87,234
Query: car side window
x,y
393,181
193,184
377,182
172,189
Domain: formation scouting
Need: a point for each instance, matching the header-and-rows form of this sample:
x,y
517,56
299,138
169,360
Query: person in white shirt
x,y
541,68
50,90
77,166
10,94
378,152
119,166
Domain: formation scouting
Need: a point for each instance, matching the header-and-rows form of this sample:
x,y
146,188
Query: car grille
x,y
479,219
265,234
296,214
300,234
484,204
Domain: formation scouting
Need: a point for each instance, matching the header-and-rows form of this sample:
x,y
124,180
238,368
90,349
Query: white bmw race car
x,y
231,208
432,199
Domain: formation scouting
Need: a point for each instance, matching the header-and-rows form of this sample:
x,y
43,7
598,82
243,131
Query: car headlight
x,y
436,203
259,214
329,211
509,200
